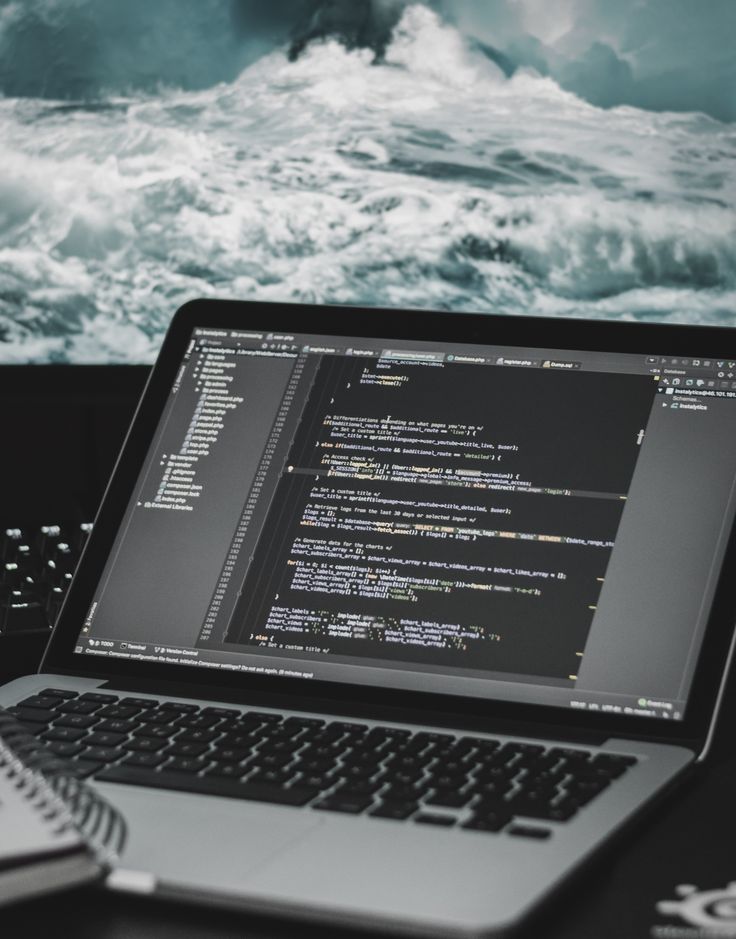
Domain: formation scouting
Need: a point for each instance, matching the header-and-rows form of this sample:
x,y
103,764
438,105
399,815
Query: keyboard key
x,y
580,795
221,712
480,744
265,717
246,742
115,726
312,766
490,822
559,812
272,760
404,778
594,784
272,777
217,786
450,800
351,805
458,768
82,769
150,760
63,734
527,748
160,715
187,764
103,754
360,787
33,715
226,770
610,765
280,733
45,702
347,727
364,773
118,712
612,758
99,697
78,707
23,616
76,720
330,753
158,731
230,754
302,722
320,783
395,810
447,781
47,539
145,745
279,746
446,821
186,749
60,748
430,737
492,791
570,754
532,791
198,721
180,707
60,693
196,736
408,763
530,807
96,739
140,702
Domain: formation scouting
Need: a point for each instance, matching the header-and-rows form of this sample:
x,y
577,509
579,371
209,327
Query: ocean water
x,y
430,180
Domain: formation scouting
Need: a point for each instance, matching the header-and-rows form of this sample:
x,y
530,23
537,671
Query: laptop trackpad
x,y
201,840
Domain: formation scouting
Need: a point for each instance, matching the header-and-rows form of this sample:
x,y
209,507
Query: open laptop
x,y
393,619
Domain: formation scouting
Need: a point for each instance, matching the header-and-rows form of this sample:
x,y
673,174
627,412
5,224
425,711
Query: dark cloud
x,y
54,49
656,54
680,54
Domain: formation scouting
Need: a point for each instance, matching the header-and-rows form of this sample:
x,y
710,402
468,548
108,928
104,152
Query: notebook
x,y
395,619
54,831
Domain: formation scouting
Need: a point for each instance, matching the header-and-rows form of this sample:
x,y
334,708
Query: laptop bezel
x,y
647,339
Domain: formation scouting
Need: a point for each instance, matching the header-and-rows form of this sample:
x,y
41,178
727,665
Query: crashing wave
x,y
430,180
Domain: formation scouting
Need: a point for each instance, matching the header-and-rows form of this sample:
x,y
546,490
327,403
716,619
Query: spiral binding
x,y
65,801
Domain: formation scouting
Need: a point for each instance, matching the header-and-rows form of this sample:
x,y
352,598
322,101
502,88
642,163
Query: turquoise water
x,y
429,180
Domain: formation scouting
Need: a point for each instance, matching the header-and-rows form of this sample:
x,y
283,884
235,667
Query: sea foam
x,y
427,180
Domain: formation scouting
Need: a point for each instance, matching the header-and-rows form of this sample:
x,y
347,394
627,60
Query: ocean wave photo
x,y
490,157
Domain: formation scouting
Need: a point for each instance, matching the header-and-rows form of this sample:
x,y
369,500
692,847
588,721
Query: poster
x,y
570,158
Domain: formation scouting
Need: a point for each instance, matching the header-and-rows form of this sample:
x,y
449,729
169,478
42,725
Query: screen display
x,y
533,525
568,158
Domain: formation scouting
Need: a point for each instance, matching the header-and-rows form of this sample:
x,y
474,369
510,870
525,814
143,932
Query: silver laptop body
x,y
287,532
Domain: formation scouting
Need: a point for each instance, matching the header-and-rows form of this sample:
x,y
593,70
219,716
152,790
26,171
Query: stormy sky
x,y
655,54
658,54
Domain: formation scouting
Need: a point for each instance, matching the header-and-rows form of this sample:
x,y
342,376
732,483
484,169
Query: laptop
x,y
392,620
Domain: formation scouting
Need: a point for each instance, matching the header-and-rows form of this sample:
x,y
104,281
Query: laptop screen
x,y
532,525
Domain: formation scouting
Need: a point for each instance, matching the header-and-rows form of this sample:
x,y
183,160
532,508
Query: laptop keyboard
x,y
36,567
436,779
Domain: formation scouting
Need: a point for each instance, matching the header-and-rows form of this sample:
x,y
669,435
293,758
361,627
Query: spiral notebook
x,y
55,832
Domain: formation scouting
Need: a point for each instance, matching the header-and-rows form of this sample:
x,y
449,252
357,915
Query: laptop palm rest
x,y
188,839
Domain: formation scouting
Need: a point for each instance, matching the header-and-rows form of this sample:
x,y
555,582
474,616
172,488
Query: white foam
x,y
429,181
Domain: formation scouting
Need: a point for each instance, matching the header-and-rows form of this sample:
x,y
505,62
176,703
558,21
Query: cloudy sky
x,y
656,54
